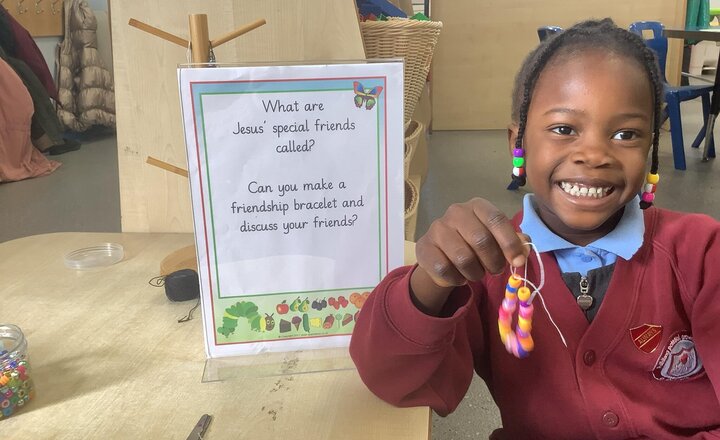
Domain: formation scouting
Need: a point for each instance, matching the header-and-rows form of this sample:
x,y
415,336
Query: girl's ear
x,y
512,132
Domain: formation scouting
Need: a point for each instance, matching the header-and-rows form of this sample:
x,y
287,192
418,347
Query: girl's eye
x,y
563,130
625,135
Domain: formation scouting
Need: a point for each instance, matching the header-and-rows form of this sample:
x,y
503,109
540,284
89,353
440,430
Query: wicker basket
x,y
412,200
412,40
413,129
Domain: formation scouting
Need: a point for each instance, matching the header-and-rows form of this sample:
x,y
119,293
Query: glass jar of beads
x,y
16,386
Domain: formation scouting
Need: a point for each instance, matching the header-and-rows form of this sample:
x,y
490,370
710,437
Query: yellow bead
x,y
653,178
524,293
504,336
510,296
527,343
514,281
524,324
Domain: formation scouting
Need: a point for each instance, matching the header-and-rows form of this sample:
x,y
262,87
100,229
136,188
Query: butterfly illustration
x,y
367,96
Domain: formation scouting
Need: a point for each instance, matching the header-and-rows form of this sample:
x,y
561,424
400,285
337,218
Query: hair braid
x,y
536,62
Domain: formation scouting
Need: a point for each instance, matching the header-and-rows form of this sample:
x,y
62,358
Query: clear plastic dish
x,y
105,254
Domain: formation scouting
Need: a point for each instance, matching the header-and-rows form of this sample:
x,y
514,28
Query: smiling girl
x,y
634,348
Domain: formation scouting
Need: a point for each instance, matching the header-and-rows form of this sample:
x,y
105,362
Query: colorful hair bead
x,y
648,194
518,172
518,342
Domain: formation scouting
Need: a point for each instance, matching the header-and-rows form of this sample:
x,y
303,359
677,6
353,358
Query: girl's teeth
x,y
584,191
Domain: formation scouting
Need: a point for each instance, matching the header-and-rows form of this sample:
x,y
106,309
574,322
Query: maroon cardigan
x,y
606,384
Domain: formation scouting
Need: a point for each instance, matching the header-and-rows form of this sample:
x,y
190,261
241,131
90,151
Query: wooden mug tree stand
x,y
200,47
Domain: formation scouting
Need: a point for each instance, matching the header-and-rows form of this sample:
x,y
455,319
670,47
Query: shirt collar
x,y
623,241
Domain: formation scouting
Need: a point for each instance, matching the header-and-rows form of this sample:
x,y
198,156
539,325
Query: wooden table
x,y
109,359
712,34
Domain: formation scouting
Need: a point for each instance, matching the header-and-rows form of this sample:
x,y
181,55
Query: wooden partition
x,y
483,43
149,121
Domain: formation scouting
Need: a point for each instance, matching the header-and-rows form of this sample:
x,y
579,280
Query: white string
x,y
536,289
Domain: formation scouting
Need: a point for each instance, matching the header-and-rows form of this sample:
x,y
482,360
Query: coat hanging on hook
x,y
86,92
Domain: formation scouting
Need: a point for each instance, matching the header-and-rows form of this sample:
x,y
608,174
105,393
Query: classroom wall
x,y
483,43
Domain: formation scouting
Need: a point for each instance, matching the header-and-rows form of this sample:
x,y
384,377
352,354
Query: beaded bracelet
x,y
518,342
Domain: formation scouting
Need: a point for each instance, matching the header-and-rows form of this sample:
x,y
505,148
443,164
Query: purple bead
x,y
524,304
521,353
517,152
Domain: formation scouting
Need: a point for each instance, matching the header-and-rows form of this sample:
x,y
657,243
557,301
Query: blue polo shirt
x,y
623,241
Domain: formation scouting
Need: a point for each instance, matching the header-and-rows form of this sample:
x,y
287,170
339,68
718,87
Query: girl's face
x,y
588,133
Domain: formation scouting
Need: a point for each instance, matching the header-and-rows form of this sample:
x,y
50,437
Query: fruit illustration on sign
x,y
282,308
319,304
295,305
316,322
304,306
333,303
358,299
285,326
296,321
329,321
342,301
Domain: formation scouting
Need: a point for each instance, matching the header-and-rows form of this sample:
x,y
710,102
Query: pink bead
x,y
514,348
526,312
648,197
510,342
509,306
503,314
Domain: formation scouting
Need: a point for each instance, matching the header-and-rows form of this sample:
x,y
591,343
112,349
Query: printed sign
x,y
296,175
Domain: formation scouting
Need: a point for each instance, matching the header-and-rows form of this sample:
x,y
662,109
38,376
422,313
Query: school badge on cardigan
x,y
680,361
646,337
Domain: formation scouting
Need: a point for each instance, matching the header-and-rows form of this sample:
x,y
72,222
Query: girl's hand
x,y
472,238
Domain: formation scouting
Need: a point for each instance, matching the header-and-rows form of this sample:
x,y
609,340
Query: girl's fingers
x,y
502,231
481,241
458,254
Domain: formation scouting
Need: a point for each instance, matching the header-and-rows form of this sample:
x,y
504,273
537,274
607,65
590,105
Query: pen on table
x,y
200,428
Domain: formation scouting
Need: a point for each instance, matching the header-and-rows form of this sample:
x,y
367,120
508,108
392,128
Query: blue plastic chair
x,y
675,95
545,31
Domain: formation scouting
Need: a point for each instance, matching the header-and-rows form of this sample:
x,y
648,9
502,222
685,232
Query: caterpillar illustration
x,y
249,311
